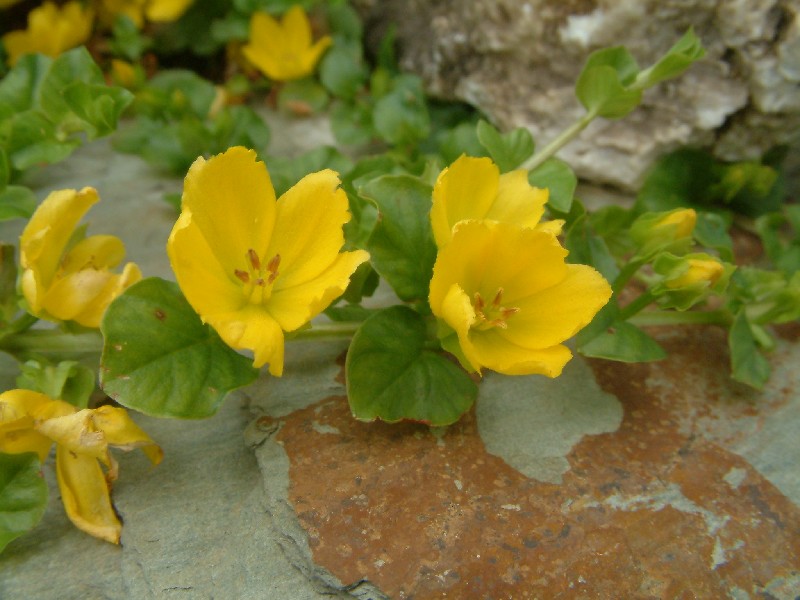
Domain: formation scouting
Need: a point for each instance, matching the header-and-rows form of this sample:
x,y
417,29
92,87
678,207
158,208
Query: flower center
x,y
493,314
257,277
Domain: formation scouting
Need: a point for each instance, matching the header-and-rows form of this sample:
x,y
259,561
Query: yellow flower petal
x,y
495,352
84,296
85,494
252,328
464,190
555,314
295,306
94,252
122,432
208,286
45,237
164,11
457,311
78,433
297,28
517,201
232,202
311,215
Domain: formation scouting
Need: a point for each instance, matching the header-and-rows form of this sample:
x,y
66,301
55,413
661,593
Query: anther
x,y
242,276
272,267
478,302
497,297
254,260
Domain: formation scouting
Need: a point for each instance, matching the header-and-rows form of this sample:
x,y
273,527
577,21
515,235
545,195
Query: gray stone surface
x,y
518,62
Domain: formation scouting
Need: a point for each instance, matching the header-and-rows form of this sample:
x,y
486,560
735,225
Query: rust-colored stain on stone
x,y
652,510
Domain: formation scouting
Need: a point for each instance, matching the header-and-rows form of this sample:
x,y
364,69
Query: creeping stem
x,y
559,141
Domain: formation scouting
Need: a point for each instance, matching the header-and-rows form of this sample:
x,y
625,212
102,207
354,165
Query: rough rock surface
x,y
518,61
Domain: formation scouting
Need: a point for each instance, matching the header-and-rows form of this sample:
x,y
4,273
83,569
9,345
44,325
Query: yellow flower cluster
x,y
53,29
33,422
504,295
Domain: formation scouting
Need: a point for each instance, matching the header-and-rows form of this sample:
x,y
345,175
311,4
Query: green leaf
x,y
342,70
780,235
392,375
601,93
302,97
68,380
401,116
680,179
351,123
127,41
711,230
612,339
239,126
508,150
458,140
558,177
401,245
285,172
680,57
160,359
16,201
23,495
602,85
748,365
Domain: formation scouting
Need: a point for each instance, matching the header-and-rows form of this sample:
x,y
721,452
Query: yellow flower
x,y
473,188
253,267
157,11
51,30
283,51
67,281
32,422
506,298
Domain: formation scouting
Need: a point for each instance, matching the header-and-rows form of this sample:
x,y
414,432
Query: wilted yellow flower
x,y
157,11
283,51
253,267
507,300
67,280
51,31
32,422
473,188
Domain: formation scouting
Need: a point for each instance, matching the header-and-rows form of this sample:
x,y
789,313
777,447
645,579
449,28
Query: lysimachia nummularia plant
x,y
482,257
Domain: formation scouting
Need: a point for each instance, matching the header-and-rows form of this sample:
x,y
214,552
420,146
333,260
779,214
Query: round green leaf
x,y
23,495
392,375
401,245
160,359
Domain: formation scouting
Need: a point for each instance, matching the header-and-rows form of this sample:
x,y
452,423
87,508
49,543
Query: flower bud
x,y
687,280
655,232
698,272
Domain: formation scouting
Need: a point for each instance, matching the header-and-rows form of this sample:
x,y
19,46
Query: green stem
x,y
327,331
625,275
52,341
636,306
560,140
670,317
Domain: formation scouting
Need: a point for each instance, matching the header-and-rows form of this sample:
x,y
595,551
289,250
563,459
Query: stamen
x,y
272,267
260,281
497,297
507,312
479,304
254,260
242,276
